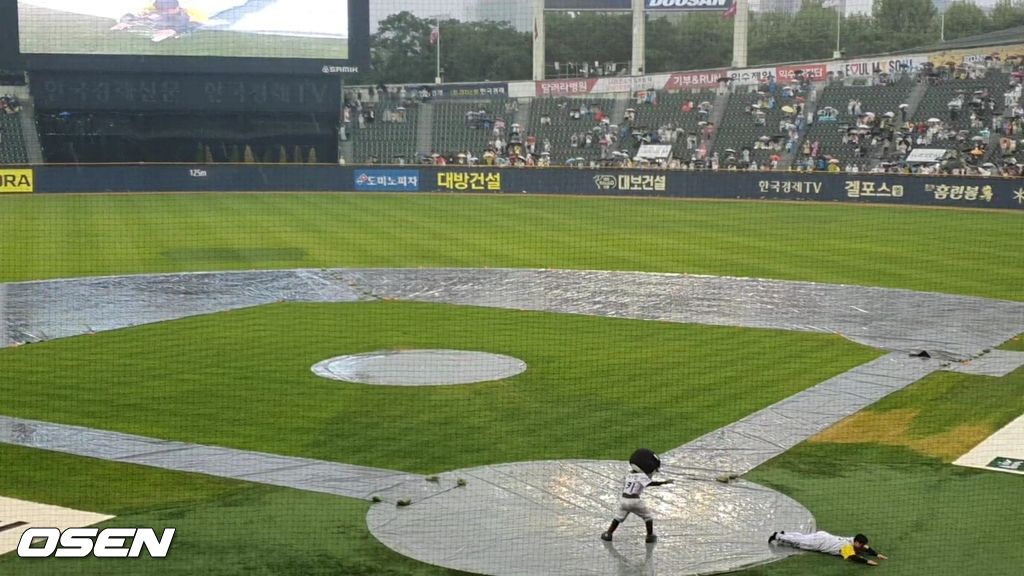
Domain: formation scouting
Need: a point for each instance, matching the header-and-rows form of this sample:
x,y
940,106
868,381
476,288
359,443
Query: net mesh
x,y
303,382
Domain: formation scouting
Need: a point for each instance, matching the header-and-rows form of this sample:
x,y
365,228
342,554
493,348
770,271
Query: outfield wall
x,y
865,188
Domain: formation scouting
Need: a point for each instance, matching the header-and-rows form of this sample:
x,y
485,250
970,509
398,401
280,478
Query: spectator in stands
x,y
9,105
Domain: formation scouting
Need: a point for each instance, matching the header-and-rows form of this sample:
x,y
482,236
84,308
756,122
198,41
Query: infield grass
x,y
961,252
242,379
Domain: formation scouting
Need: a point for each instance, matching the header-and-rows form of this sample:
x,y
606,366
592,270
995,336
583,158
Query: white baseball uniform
x,y
632,487
820,541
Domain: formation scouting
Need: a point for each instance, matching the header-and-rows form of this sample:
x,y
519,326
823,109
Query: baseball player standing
x,y
643,464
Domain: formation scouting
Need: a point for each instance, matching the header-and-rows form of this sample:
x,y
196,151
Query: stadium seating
x,y
562,126
936,100
452,131
12,146
667,110
877,99
387,142
737,128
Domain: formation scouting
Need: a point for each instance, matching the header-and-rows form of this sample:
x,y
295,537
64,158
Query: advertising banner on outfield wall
x,y
948,191
386,180
16,181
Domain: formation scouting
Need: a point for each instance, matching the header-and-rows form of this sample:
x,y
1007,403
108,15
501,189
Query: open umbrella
x,y
934,120
888,114
789,110
978,139
764,138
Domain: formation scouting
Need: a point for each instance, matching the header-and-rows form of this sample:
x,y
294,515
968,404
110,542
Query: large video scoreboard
x,y
186,36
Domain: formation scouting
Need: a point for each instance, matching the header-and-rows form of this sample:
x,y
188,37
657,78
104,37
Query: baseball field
x,y
597,387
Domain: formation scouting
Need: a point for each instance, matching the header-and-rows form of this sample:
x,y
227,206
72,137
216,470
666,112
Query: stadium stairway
x,y
522,116
874,98
917,94
425,128
347,150
717,115
29,130
810,106
619,108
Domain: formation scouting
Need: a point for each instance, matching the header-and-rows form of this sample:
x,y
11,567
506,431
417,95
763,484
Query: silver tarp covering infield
x,y
544,517
535,518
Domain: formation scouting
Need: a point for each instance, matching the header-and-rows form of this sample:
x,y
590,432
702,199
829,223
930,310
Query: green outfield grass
x,y
963,252
242,379
45,31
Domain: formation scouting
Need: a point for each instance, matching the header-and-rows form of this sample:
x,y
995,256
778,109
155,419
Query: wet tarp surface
x,y
533,518
419,367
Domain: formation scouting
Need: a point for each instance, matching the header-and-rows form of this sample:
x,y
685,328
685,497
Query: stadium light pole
x,y
539,38
839,26
639,38
739,34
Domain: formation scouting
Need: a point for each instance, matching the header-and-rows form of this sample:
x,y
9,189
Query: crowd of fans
x,y
884,141
981,131
9,105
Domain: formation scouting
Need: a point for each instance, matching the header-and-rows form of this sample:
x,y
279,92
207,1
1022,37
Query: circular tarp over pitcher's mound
x,y
546,517
419,367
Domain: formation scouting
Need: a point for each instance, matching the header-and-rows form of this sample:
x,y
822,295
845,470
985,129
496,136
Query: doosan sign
x,y
689,4
626,5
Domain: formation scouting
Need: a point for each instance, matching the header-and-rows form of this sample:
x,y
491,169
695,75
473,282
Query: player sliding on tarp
x,y
162,20
854,549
